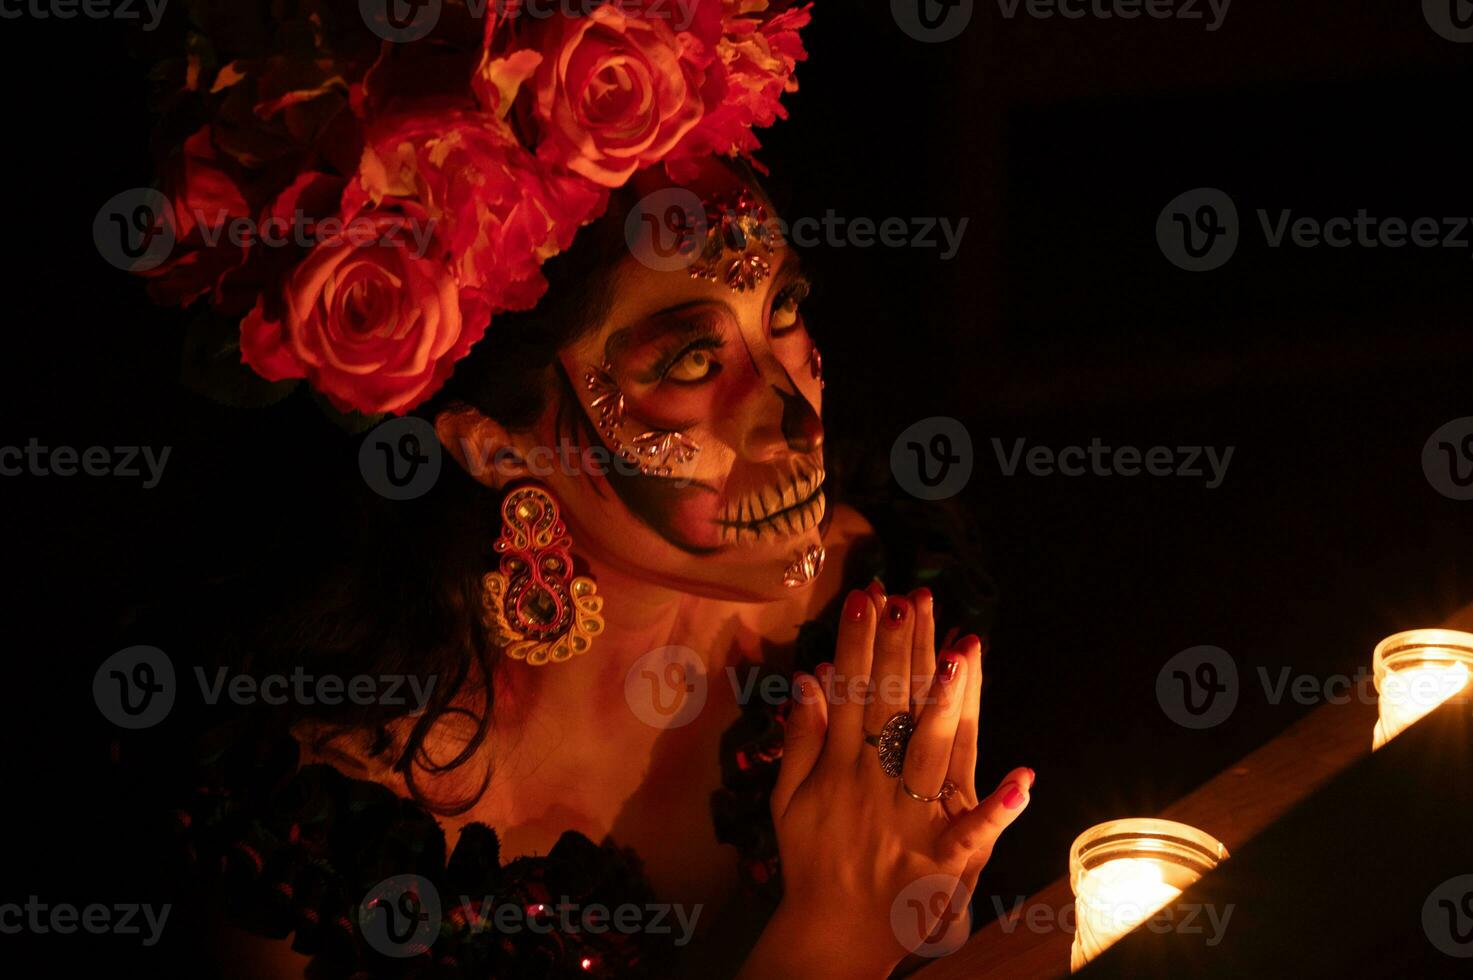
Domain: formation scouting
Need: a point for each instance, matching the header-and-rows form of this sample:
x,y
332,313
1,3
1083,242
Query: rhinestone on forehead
x,y
739,242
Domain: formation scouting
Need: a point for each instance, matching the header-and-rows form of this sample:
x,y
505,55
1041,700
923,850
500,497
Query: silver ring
x,y
891,743
948,789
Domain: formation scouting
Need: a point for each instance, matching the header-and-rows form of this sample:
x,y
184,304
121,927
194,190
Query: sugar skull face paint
x,y
705,402
711,392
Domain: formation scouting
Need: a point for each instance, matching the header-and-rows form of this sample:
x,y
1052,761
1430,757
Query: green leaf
x,y
210,365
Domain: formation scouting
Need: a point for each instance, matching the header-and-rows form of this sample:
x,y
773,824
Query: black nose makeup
x,y
802,427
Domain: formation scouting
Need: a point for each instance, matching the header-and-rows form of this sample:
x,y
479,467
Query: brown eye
x,y
694,365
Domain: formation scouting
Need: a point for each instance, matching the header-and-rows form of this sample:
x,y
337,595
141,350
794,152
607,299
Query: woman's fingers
x,y
973,834
889,684
853,654
923,650
928,756
804,741
963,769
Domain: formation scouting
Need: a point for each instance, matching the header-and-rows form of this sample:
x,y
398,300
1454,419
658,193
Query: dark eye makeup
x,y
680,352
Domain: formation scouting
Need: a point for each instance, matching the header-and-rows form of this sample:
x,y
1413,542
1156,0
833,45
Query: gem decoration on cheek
x,y
652,450
805,568
736,225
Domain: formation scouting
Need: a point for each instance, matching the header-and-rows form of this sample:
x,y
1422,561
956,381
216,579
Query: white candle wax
x,y
1414,691
1114,898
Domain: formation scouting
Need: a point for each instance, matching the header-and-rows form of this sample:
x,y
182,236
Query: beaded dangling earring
x,y
535,608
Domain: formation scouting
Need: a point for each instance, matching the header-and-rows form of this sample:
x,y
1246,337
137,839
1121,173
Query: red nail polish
x,y
896,611
946,668
1013,798
923,593
854,606
1032,778
876,591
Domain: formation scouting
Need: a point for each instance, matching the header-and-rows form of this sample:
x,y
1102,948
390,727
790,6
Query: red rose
x,y
206,194
368,321
615,92
500,212
754,65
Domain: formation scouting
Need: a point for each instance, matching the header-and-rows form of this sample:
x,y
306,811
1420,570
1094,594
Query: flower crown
x,y
395,193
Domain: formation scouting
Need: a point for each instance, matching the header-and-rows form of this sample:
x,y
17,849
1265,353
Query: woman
x,y
597,637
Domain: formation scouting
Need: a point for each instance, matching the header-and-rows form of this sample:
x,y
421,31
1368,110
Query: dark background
x,y
1059,321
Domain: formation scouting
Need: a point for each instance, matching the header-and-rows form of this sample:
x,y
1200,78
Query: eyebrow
x,y
651,325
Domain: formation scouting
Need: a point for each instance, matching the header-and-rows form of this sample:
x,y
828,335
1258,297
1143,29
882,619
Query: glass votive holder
x,y
1125,871
1416,671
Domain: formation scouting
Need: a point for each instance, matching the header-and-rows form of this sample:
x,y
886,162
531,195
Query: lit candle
x,y
1415,672
1125,871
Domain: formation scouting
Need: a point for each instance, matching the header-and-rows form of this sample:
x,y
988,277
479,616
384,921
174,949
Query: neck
x,y
641,616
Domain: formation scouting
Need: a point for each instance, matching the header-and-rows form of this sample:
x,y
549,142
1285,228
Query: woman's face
x,y
721,400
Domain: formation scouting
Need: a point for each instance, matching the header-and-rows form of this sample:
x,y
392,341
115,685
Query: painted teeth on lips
x,y
762,505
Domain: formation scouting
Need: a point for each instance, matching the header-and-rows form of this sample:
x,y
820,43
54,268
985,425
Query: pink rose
x,y
615,92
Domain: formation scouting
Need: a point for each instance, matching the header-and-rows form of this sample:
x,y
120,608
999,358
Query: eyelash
x,y
797,290
708,342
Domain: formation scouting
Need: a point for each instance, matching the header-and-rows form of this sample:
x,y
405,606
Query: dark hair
x,y
374,586
397,587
